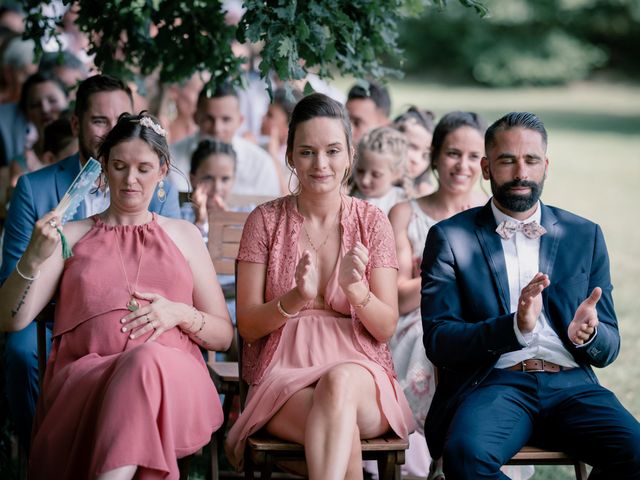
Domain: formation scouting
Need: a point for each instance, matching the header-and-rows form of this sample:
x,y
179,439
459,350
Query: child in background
x,y
212,174
417,126
380,165
59,140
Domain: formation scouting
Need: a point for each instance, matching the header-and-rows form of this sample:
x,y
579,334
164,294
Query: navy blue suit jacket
x,y
39,192
466,307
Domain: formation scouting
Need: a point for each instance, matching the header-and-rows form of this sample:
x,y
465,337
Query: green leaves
x,y
180,37
140,36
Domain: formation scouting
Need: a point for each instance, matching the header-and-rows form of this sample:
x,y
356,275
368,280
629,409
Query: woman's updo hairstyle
x,y
144,127
449,123
317,105
416,116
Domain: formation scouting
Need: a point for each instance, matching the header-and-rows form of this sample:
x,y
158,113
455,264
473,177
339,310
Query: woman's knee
x,y
339,386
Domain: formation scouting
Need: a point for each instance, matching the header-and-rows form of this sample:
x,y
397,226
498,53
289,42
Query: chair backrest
x,y
184,197
225,231
236,200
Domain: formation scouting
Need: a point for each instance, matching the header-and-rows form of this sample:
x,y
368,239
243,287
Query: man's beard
x,y
514,202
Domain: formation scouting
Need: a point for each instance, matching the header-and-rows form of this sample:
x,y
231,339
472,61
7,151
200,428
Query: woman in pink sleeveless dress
x,y
316,304
126,390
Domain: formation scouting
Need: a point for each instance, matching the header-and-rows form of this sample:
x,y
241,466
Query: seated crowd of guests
x,y
380,291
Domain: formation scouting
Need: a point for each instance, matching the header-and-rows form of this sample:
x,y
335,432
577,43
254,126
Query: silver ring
x,y
52,223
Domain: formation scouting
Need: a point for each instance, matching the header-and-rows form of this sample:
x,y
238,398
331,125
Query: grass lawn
x,y
594,152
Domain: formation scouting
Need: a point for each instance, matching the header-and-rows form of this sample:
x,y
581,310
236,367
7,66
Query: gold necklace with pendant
x,y
132,304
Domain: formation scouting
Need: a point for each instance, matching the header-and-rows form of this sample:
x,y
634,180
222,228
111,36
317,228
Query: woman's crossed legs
x,y
329,419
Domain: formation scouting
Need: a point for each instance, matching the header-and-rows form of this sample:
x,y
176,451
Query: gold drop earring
x,y
161,193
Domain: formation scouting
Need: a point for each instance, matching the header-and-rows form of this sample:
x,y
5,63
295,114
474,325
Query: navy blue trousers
x,y
566,411
21,378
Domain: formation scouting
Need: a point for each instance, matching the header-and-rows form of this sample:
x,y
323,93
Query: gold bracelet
x,y
283,312
365,302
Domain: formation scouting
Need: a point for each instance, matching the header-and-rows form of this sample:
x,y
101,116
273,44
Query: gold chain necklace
x,y
326,239
132,304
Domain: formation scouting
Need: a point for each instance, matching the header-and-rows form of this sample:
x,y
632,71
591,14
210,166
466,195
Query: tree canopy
x,y
179,38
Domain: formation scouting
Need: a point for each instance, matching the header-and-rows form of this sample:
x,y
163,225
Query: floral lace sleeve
x,y
382,244
253,244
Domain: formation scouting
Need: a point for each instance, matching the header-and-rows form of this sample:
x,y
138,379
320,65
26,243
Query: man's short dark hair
x,y
515,120
96,84
225,89
377,93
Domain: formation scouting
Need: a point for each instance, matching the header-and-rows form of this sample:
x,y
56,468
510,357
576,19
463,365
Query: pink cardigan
x,y
270,237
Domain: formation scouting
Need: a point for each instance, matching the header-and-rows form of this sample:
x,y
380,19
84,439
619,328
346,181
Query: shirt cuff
x,y
587,343
523,338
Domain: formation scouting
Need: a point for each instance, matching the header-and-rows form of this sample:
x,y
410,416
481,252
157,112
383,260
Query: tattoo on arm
x,y
15,311
203,343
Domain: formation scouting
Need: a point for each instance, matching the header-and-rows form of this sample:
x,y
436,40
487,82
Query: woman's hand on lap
x,y
158,316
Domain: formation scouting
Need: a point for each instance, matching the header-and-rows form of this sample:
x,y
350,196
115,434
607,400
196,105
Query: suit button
x,y
474,383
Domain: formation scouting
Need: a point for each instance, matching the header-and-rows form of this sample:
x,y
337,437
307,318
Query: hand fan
x,y
82,184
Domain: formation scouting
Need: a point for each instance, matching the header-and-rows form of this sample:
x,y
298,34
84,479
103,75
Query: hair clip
x,y
147,122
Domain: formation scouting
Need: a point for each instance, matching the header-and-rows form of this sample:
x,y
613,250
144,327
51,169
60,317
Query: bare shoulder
x,y
184,234
400,215
74,231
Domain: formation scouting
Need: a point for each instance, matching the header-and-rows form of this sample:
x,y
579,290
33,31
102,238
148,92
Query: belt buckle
x,y
538,370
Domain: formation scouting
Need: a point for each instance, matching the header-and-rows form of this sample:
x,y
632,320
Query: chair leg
x,y
183,467
248,466
267,468
581,470
386,466
214,472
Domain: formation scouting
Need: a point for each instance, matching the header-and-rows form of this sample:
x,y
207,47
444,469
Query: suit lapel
x,y
549,241
548,249
492,248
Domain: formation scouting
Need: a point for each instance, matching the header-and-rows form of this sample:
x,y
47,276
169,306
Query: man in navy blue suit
x,y
100,100
516,309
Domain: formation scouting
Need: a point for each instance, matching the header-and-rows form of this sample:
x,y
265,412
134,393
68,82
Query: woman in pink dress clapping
x,y
317,303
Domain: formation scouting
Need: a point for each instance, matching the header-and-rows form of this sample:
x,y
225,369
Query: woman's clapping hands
x,y
352,267
306,277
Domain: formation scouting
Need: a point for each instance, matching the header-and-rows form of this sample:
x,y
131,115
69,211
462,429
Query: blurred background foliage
x,y
177,38
524,42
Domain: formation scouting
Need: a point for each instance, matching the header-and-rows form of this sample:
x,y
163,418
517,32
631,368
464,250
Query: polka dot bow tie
x,y
507,229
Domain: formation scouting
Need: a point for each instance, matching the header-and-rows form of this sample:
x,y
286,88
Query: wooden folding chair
x,y
529,455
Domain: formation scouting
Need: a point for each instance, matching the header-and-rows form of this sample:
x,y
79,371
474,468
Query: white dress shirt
x,y
521,255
